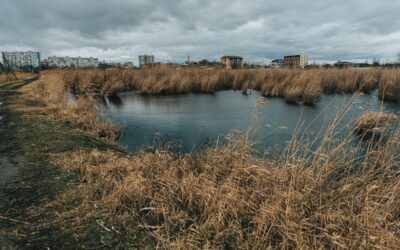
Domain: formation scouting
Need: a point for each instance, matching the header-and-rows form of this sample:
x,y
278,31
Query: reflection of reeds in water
x,y
293,85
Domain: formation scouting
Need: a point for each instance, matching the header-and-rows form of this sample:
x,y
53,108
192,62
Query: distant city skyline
x,y
259,31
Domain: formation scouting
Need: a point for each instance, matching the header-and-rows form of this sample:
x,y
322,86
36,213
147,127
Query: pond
x,y
194,121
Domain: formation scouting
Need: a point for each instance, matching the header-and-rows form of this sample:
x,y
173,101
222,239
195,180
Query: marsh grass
x,y
375,122
292,85
389,86
225,196
81,112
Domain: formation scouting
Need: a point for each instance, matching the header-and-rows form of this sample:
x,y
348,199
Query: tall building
x,y
22,60
295,61
277,64
72,62
146,60
232,62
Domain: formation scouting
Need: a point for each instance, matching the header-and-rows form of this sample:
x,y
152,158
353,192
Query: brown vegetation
x,y
226,197
293,85
81,112
4,78
389,86
375,122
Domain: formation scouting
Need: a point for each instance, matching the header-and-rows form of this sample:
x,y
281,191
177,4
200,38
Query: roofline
x,y
238,57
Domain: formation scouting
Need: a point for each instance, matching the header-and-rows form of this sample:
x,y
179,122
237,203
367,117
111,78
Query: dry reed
x,y
81,111
225,197
372,122
389,86
293,85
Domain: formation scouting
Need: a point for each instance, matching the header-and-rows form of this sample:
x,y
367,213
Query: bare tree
x,y
398,57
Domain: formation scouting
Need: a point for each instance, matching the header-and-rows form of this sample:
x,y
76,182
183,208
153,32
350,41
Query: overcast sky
x,y
258,30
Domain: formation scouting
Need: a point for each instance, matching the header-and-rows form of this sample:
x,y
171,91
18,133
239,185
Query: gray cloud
x,y
259,30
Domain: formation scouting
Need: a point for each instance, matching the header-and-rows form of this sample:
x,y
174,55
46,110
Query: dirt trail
x,y
8,172
29,183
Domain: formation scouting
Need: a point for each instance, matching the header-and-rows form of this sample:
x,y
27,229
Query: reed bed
x,y
227,198
389,86
292,85
375,122
80,111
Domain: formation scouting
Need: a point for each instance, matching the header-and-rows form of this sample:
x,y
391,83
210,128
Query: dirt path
x,y
11,172
27,181
30,186
8,173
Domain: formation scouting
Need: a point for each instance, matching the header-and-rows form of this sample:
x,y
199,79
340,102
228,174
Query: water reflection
x,y
198,120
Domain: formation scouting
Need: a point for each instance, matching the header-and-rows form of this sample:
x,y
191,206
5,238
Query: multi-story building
x,y
128,65
146,60
22,60
72,62
232,62
295,61
277,64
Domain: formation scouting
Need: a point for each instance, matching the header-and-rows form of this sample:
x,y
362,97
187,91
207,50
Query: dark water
x,y
197,120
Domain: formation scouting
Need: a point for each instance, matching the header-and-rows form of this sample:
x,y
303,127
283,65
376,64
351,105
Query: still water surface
x,y
198,120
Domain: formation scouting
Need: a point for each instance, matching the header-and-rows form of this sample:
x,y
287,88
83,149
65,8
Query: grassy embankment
x,y
224,197
292,85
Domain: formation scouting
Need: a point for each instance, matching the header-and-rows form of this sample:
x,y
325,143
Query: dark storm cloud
x,y
259,30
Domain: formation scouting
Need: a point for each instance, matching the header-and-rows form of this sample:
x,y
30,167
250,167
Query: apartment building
x,y
22,60
277,64
295,61
232,62
146,60
72,62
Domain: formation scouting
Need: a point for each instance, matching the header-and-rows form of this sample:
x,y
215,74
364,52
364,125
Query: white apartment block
x,y
146,60
22,60
72,62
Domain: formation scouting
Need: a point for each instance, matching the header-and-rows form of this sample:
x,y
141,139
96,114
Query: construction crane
x,y
7,67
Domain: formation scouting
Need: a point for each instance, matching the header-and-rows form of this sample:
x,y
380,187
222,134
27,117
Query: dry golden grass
x,y
375,122
4,78
389,86
293,85
225,197
80,111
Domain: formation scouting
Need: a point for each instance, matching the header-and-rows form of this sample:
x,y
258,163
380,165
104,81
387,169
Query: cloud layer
x,y
258,30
